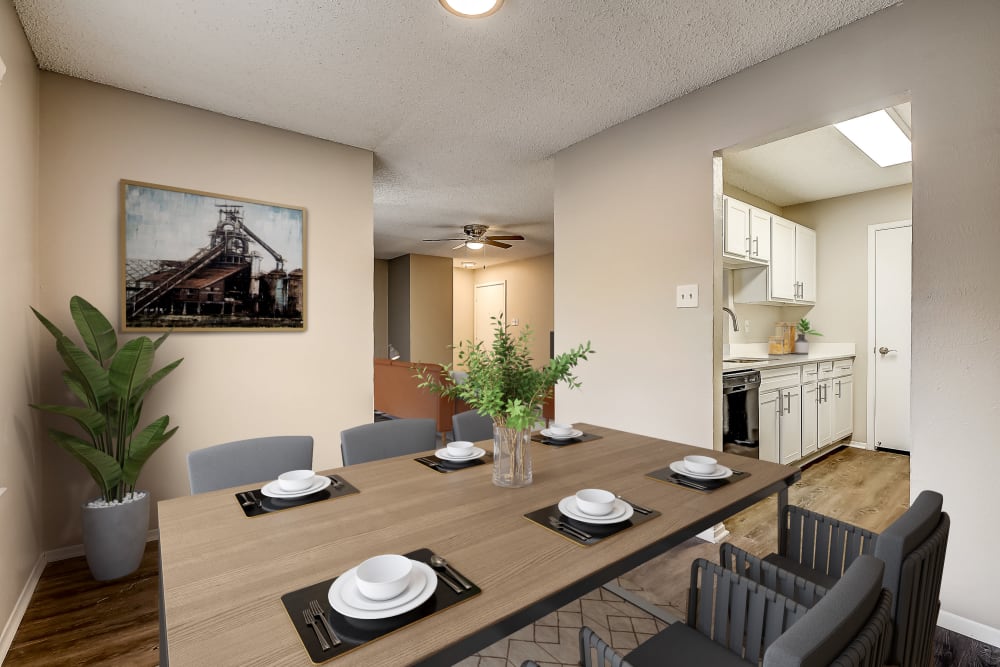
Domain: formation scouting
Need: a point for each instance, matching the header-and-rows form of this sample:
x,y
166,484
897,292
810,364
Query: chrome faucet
x,y
736,325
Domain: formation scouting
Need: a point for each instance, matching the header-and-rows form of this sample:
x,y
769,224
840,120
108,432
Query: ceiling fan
x,y
475,238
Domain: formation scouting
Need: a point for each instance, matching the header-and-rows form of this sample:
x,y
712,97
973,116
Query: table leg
x,y
782,523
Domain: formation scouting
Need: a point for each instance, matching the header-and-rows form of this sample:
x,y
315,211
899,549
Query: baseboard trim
x,y
14,622
75,550
969,628
24,599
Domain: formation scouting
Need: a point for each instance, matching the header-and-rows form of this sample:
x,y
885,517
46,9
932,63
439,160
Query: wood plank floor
x,y
73,620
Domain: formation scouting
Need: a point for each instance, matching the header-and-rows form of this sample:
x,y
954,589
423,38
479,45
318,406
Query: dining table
x,y
223,573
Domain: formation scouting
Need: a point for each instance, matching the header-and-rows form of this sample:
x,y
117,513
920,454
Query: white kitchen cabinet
x,y
842,394
824,414
767,435
789,277
790,425
810,407
746,233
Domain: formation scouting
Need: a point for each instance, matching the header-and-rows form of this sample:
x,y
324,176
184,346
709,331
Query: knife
x,y
690,485
431,464
569,530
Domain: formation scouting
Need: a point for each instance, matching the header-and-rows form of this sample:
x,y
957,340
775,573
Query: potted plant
x,y
805,329
111,383
501,382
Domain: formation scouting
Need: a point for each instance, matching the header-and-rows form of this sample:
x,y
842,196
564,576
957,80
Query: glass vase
x,y
511,456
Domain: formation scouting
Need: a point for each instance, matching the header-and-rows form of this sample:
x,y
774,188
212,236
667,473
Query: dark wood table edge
x,y
462,649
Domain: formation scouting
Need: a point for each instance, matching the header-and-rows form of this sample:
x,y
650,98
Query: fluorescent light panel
x,y
879,137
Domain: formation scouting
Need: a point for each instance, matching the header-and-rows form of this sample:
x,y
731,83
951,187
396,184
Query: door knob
x,y
884,350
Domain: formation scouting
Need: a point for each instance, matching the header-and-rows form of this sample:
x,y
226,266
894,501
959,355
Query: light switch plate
x,y
687,296
2,490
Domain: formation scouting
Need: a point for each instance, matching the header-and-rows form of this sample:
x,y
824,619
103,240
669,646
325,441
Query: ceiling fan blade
x,y
460,245
497,244
511,237
462,239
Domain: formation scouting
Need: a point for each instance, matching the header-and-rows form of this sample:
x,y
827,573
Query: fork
x,y
318,612
570,530
311,622
430,463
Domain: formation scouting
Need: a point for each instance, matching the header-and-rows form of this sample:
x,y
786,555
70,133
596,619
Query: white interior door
x,y
490,301
890,250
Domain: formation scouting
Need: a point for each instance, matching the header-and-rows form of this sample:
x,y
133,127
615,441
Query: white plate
x,y
575,433
337,601
272,490
721,472
621,512
350,593
443,454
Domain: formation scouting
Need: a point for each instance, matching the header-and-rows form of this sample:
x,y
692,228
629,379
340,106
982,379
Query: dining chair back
x,y
247,461
820,548
735,621
383,440
472,426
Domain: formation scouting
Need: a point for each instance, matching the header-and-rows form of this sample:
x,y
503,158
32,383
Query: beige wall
x,y
399,305
841,311
231,385
529,301
20,465
430,309
462,329
381,307
634,214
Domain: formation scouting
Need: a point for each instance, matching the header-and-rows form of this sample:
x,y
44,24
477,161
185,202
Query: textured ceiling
x,y
812,166
463,115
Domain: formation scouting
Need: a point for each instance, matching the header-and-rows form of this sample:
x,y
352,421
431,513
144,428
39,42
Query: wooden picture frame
x,y
202,261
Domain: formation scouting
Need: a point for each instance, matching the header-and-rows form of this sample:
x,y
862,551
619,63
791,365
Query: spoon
x,y
438,562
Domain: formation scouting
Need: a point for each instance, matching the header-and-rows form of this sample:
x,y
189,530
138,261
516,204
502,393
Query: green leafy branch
x,y
501,381
806,328
111,383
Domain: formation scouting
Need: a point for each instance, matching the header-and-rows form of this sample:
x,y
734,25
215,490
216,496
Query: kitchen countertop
x,y
779,361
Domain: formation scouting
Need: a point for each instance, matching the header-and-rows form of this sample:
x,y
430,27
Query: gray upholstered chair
x,y
735,621
383,440
248,461
820,548
472,426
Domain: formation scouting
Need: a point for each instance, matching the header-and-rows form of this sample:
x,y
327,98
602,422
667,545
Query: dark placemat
x,y
700,485
441,465
261,504
355,632
597,532
586,437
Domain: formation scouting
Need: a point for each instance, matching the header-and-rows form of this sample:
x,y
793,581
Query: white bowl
x,y
560,429
595,502
702,465
295,480
460,448
383,577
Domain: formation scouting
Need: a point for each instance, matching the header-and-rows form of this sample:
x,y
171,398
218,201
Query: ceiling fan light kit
x,y
475,238
472,9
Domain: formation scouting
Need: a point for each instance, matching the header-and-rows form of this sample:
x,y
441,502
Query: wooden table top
x,y
224,574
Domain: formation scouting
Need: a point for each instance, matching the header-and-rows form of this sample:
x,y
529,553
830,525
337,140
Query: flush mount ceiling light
x,y
471,9
474,245
879,137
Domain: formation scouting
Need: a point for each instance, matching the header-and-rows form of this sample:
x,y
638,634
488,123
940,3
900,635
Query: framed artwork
x,y
209,262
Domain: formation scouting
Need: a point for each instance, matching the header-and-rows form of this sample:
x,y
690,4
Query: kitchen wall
x,y
430,309
635,217
841,311
529,301
231,385
20,461
463,288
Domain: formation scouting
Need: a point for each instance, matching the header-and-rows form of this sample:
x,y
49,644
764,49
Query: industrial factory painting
x,y
197,260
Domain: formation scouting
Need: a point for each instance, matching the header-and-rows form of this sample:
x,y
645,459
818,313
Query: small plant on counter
x,y
806,329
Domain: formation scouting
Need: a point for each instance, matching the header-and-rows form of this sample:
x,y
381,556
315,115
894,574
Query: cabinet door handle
x,y
788,397
748,246
756,247
838,389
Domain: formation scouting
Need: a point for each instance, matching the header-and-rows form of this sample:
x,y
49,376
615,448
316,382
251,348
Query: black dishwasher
x,y
740,418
